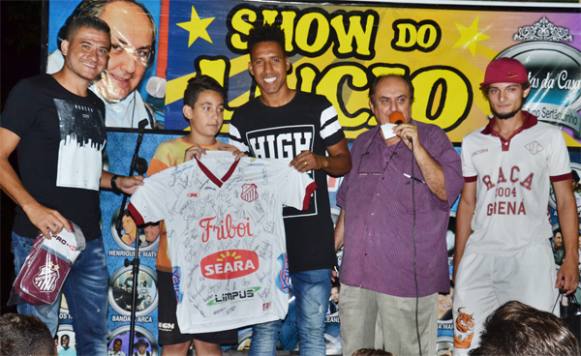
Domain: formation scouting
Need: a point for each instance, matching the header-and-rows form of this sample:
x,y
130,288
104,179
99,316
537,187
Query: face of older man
x,y
131,47
391,94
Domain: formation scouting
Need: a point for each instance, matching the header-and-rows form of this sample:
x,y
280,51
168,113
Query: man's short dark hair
x,y
24,335
74,23
197,85
407,80
94,8
518,329
265,33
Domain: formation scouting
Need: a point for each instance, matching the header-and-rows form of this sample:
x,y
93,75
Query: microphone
x,y
396,118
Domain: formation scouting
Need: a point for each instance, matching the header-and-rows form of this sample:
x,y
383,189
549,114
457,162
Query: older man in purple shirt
x,y
395,204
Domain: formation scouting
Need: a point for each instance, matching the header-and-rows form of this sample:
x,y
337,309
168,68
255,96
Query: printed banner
x,y
336,49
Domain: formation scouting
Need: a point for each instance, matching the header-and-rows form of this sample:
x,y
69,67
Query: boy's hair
x,y
518,329
25,335
265,33
74,23
199,84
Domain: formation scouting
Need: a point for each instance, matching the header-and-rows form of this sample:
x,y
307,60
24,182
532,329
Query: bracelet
x,y
114,188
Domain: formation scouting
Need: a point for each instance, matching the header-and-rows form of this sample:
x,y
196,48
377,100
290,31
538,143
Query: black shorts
x,y
167,324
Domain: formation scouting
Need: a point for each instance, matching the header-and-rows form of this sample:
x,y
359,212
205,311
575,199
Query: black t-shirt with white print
x,y
307,122
59,153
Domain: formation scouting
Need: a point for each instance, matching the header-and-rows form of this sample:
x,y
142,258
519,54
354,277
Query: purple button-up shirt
x,y
376,197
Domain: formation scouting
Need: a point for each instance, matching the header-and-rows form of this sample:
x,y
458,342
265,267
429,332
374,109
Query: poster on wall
x,y
335,50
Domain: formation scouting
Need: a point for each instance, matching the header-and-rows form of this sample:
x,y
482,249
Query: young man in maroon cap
x,y
503,251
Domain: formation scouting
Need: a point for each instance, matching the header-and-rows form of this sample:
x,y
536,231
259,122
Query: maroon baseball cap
x,y
505,70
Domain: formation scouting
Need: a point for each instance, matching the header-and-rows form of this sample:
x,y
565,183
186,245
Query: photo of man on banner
x,y
133,40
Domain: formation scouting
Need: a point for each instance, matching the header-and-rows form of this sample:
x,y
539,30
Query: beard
x,y
507,115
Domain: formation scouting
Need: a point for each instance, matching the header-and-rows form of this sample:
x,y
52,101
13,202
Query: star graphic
x,y
470,36
197,27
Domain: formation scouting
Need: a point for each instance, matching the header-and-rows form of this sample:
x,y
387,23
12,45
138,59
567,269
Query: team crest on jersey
x,y
249,192
534,147
464,329
45,279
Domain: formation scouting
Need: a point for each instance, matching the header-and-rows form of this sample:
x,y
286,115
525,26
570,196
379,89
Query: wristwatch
x,y
114,188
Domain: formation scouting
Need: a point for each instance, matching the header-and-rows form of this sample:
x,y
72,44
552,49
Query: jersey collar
x,y
530,121
211,176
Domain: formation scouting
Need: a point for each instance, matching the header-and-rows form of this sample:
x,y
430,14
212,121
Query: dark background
x,y
21,56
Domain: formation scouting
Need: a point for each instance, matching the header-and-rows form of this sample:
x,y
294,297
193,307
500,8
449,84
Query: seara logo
x,y
229,264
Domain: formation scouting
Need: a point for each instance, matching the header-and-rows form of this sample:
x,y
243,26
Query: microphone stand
x,y
139,165
132,168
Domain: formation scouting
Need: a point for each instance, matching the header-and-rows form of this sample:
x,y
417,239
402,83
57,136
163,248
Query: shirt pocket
x,y
423,198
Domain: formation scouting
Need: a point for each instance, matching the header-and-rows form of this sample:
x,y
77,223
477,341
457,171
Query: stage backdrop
x,y
335,51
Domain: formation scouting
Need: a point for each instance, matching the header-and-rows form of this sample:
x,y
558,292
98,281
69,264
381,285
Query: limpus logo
x,y
282,280
229,264
249,192
45,279
238,295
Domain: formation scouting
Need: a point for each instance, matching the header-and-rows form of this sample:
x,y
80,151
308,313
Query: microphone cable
x,y
415,251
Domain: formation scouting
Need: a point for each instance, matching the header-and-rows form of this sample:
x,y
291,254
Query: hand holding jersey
x,y
307,160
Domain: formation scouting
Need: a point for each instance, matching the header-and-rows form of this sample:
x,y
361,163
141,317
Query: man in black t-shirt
x,y
284,123
57,128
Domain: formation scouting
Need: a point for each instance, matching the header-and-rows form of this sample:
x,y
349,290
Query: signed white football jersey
x,y
226,237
